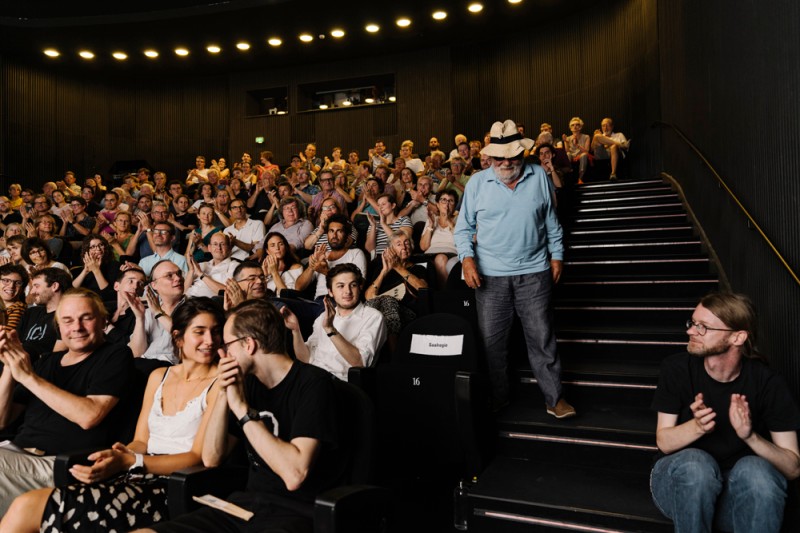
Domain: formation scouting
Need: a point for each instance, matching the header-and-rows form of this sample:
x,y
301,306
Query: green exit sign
x,y
259,140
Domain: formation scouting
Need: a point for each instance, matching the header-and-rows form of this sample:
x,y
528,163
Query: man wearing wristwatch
x,y
346,334
284,410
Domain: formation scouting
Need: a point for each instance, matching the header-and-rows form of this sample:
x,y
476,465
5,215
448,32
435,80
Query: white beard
x,y
508,175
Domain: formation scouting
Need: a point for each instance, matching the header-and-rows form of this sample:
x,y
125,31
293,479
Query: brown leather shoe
x,y
562,409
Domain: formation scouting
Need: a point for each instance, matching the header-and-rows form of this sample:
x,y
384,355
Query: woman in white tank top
x,y
128,483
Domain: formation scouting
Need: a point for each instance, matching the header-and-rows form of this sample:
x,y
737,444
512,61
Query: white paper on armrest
x,y
442,345
225,506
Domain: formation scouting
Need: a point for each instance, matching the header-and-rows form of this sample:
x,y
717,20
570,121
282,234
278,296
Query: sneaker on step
x,y
613,177
562,409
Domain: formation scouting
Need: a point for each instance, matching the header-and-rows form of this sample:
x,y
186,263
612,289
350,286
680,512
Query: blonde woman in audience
x,y
122,240
125,487
15,196
577,146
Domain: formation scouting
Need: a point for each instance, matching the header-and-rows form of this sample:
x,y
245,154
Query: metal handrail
x,y
732,195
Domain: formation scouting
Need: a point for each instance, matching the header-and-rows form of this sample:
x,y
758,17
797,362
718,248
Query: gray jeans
x,y
527,296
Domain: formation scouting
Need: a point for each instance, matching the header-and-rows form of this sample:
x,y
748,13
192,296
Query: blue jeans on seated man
x,y
527,295
689,488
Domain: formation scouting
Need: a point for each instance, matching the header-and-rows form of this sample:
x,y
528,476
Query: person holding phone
x,y
150,341
347,333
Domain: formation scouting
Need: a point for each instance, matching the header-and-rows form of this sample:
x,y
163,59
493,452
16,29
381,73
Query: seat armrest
x,y
353,509
65,461
475,421
365,379
200,480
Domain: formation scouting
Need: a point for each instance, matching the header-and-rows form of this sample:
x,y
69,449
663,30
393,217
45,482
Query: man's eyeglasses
x,y
9,281
702,328
226,344
237,207
162,232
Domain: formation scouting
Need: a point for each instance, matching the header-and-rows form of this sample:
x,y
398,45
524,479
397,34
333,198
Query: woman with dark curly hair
x,y
125,487
37,254
100,269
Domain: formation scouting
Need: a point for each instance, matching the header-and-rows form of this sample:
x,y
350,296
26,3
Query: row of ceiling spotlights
x,y
337,33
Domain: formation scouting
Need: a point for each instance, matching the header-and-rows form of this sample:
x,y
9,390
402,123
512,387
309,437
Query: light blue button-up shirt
x,y
518,231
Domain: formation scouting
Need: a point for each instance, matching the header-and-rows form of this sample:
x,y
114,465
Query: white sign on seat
x,y
440,345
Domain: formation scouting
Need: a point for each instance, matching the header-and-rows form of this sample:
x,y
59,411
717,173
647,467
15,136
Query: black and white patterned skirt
x,y
118,505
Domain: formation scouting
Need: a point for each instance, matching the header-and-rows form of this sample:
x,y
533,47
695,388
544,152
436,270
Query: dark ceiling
x,y
27,28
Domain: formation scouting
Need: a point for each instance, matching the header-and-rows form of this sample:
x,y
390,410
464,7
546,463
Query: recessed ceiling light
x,y
403,22
514,1
122,56
281,112
439,15
475,7
369,100
151,54
323,106
347,103
306,37
372,28
183,52
274,41
392,98
214,49
243,45
50,52
86,54
337,32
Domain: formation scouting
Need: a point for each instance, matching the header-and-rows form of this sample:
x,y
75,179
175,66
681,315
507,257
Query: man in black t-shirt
x,y
37,329
727,427
66,397
284,411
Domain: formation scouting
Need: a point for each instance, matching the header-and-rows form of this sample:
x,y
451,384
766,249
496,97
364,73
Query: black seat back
x,y
418,431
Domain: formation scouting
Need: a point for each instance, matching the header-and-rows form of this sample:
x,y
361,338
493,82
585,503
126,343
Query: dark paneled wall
x,y
423,107
52,122
600,62
730,79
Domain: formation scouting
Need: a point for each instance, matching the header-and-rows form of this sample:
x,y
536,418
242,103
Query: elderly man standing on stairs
x,y
514,262
727,427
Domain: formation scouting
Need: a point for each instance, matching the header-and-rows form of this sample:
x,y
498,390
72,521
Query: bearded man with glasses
x,y
727,426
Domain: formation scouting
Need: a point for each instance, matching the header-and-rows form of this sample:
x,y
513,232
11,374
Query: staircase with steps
x,y
634,270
